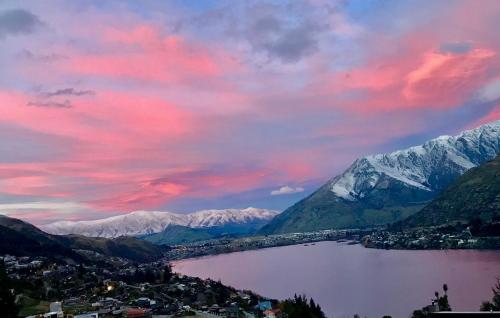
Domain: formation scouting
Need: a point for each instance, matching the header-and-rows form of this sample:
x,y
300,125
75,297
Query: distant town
x,y
229,245
429,238
422,238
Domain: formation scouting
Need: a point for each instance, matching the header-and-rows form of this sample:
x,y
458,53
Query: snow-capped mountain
x,y
147,222
210,218
427,167
383,188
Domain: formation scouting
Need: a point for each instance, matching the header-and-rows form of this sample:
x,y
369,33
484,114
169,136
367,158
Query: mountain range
x,y
228,221
375,190
384,188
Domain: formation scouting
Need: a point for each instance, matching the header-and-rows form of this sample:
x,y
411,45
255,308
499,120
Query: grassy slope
x,y
126,247
324,210
176,234
30,306
475,194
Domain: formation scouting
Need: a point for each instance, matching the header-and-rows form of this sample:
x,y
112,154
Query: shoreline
x,y
260,249
225,246
214,247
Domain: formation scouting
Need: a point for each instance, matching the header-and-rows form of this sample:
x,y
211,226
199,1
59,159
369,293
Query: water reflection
x,y
349,279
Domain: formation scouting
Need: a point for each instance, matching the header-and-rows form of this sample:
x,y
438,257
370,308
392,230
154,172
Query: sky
x,y
108,107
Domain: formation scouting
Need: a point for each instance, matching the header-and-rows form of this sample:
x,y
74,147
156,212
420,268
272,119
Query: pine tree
x,y
301,307
8,307
167,274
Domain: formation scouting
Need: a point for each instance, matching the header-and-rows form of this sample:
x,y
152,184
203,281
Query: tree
x,y
300,307
8,306
475,225
419,314
441,302
167,273
494,304
81,271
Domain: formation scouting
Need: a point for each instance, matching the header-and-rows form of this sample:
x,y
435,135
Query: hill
x,y
380,189
178,234
23,239
125,247
476,194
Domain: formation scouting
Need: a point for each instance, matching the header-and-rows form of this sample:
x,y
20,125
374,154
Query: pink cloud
x,y
182,114
447,79
493,115
415,78
30,185
155,192
142,53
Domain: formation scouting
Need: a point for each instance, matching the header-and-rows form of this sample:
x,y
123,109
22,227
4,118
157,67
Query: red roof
x,y
137,312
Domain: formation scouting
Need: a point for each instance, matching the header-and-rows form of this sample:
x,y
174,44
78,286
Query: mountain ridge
x,y
149,222
384,188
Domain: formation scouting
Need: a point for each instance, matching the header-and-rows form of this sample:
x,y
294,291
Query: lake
x,y
350,279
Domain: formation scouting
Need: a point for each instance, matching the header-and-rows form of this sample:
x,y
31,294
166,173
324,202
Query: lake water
x,y
350,279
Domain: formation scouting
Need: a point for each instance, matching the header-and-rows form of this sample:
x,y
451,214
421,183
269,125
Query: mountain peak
x,y
383,188
416,166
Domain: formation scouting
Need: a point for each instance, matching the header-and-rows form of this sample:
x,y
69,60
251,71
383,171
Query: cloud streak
x,y
51,104
68,92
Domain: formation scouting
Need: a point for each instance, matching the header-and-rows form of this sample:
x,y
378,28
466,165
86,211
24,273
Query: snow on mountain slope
x,y
381,189
208,218
425,167
147,222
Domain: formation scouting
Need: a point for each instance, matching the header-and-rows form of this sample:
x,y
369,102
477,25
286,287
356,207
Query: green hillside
x,y
324,210
177,234
125,247
476,194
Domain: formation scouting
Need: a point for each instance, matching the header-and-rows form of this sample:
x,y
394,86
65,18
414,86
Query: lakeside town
x,y
107,286
230,245
117,287
53,290
429,239
419,238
